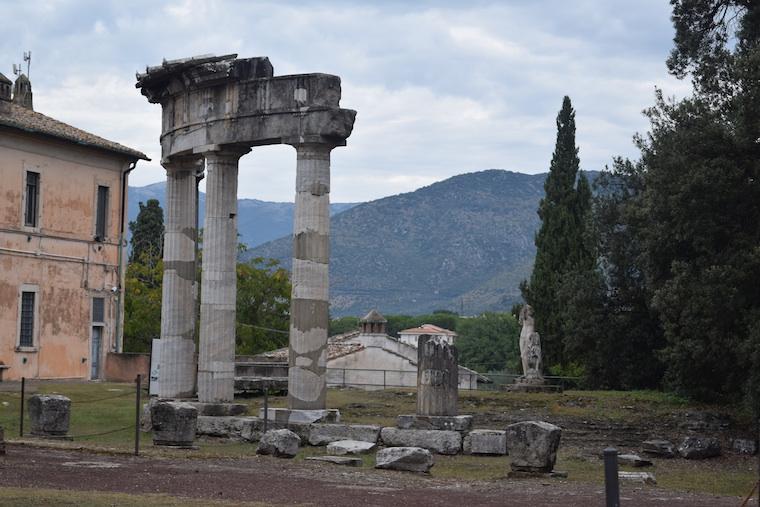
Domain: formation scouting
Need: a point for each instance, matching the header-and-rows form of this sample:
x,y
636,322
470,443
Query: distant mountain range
x,y
258,221
462,244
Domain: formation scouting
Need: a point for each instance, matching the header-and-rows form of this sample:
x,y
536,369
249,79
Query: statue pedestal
x,y
533,384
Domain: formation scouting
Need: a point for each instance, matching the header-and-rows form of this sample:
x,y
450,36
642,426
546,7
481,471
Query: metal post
x,y
611,486
344,377
383,379
138,387
21,417
266,406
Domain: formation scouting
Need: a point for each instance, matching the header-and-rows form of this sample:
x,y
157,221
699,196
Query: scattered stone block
x,y
432,422
49,415
174,423
219,409
439,441
350,447
224,427
288,416
659,448
279,443
633,460
437,376
744,446
706,422
521,474
323,434
642,477
490,442
533,445
699,448
338,460
409,459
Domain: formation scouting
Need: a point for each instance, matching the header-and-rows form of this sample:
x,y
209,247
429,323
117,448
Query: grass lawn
x,y
99,409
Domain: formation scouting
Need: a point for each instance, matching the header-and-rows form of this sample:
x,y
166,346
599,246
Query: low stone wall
x,y
124,367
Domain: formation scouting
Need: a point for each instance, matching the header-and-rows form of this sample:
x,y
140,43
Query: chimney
x,y
5,88
22,92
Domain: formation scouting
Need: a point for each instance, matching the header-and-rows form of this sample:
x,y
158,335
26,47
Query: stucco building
x,y
62,225
411,336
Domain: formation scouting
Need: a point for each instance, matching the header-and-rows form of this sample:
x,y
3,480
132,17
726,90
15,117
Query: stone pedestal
x,y
174,423
309,318
216,355
49,415
177,374
487,442
437,377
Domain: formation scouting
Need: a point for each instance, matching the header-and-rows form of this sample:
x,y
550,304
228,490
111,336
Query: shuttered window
x,y
26,338
32,199
101,213
98,310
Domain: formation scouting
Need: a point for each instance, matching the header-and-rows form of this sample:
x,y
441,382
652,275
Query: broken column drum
x,y
437,377
215,109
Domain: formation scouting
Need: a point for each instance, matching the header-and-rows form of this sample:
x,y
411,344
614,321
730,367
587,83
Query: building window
x,y
31,210
26,333
98,310
101,213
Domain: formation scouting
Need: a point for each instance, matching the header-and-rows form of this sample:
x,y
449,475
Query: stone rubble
x,y
350,447
633,460
659,448
279,443
323,434
533,446
699,448
409,459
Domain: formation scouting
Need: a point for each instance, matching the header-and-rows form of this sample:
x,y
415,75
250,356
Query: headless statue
x,y
530,345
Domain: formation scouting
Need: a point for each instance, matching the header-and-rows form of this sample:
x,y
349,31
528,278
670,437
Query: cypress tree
x,y
560,245
147,240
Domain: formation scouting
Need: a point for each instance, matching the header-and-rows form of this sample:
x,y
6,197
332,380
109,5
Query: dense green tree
x,y
147,232
560,244
142,303
489,342
343,325
263,306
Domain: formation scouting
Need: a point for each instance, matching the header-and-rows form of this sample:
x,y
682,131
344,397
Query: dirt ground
x,y
285,482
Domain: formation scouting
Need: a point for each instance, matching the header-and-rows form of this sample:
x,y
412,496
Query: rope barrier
x,y
103,433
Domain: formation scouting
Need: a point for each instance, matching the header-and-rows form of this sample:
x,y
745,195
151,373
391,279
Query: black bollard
x,y
611,486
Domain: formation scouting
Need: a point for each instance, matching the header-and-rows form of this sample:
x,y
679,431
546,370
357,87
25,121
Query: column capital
x,y
181,164
221,152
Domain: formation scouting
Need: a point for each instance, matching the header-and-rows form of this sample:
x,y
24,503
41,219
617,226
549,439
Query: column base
x,y
294,416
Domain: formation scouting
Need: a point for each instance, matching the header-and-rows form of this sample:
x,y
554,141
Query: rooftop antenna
x,y
28,60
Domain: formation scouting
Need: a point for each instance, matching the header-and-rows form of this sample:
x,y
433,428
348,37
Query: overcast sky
x,y
441,88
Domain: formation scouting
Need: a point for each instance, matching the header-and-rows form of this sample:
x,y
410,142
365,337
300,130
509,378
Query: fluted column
x,y
216,358
177,372
307,373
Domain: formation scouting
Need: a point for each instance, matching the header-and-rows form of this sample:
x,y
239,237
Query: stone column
x,y
177,374
216,355
307,373
437,377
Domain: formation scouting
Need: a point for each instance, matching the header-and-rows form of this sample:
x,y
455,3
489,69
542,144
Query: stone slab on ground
x,y
49,414
659,448
633,460
323,434
279,443
174,423
350,447
699,447
338,460
533,445
643,477
744,446
522,474
288,416
534,388
235,428
408,459
219,409
434,422
488,442
439,441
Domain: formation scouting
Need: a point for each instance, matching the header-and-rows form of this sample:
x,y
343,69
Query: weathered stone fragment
x,y
706,422
659,448
533,445
226,426
338,460
288,416
279,443
642,477
220,409
490,442
699,448
350,447
437,377
49,414
174,423
409,459
323,434
434,422
744,446
633,460
439,441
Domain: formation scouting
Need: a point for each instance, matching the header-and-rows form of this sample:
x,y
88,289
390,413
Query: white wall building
x,y
412,336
